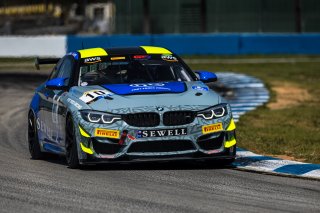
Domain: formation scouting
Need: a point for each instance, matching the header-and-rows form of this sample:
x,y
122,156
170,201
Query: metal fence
x,y
158,16
212,16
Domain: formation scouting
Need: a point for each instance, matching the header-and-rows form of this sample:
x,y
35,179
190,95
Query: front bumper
x,y
228,154
194,145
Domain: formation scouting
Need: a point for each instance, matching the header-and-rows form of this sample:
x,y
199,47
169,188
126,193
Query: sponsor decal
x,y
92,60
200,88
107,133
212,128
147,85
142,57
131,137
47,130
55,114
169,58
55,108
163,87
84,84
161,132
118,58
94,95
142,87
74,103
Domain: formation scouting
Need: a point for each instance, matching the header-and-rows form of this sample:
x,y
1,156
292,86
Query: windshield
x,y
133,69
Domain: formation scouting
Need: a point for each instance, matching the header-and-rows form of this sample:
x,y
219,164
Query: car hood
x,y
125,98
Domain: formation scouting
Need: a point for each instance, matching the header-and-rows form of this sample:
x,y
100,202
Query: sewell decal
x,y
92,60
161,132
48,131
212,128
94,95
107,133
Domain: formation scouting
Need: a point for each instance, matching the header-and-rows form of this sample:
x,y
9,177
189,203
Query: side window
x,y
65,70
55,70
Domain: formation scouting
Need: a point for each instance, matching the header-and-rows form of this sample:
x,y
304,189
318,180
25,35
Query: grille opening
x,y
207,143
105,148
150,119
176,118
161,146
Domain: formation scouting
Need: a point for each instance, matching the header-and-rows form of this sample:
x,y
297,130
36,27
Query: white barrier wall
x,y
30,46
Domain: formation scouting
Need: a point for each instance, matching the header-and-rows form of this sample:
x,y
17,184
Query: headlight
x,y
214,112
99,117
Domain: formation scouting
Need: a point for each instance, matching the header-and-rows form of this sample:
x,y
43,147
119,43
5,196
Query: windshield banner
x,y
130,89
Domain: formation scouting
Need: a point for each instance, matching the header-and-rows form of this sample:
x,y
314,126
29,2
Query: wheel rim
x,y
31,133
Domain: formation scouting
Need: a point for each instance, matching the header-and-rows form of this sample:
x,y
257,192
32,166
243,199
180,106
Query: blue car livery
x,y
126,105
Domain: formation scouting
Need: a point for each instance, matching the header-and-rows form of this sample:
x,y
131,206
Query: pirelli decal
x,y
107,133
212,128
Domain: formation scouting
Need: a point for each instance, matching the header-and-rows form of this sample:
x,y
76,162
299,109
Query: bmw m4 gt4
x,y
128,104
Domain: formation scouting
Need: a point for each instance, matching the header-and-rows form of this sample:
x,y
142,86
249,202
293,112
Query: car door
x,y
55,110
44,126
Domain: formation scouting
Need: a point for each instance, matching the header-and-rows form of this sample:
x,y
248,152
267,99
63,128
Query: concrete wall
x,y
19,46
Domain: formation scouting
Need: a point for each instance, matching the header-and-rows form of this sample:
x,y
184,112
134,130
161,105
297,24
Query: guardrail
x,y
184,44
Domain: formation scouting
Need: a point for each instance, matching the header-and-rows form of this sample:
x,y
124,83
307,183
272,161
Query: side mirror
x,y
207,77
56,83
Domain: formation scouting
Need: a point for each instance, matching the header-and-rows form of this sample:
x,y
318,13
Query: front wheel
x,y
33,141
233,151
71,145
227,162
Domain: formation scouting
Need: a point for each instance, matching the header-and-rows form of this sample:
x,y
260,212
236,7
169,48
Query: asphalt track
x,y
49,186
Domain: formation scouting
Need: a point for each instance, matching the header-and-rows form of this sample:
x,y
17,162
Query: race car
x,y
128,105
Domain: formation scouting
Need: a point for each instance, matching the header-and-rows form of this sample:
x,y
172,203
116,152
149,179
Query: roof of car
x,y
93,52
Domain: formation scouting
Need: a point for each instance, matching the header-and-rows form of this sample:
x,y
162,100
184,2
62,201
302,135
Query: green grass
x,y
19,60
21,65
293,131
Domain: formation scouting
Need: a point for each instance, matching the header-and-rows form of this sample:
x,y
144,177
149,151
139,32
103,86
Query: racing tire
x,y
227,162
33,141
71,145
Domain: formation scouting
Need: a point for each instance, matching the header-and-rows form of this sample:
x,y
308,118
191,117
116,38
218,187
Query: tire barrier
x,y
247,92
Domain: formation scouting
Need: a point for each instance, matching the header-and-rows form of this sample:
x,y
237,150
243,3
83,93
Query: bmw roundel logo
x,y
160,108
